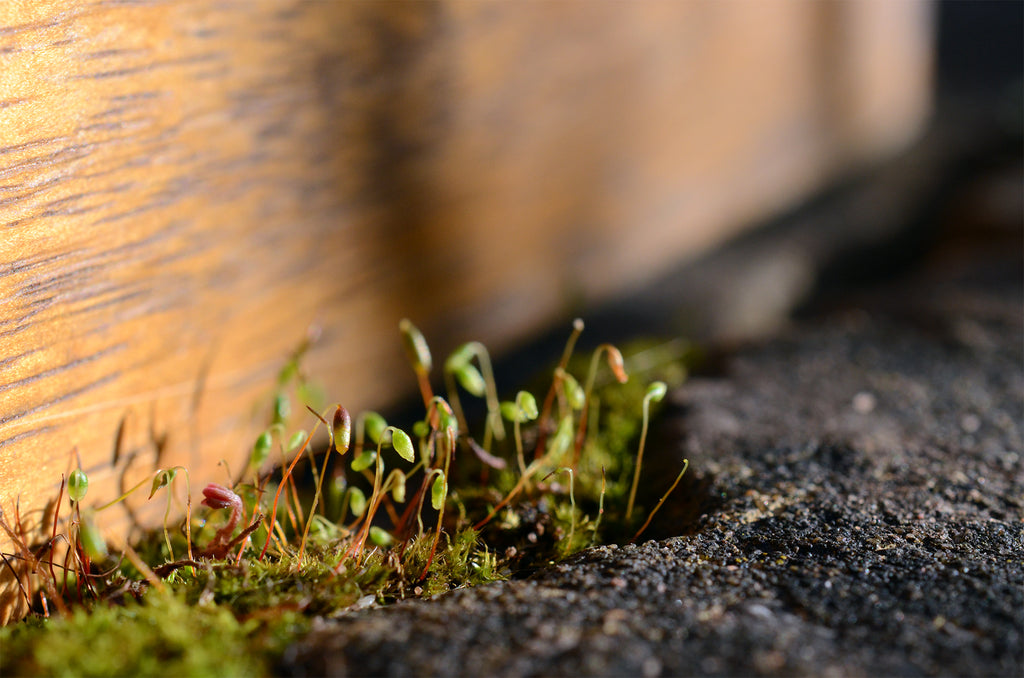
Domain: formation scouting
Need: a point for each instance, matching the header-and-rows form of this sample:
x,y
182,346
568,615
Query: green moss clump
x,y
234,609
162,636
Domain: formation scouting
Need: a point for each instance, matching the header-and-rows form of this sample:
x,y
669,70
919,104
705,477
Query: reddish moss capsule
x,y
617,365
217,497
342,428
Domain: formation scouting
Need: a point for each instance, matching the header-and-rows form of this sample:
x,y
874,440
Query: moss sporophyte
x,y
388,513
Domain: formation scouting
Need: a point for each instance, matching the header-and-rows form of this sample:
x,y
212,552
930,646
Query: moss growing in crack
x,y
409,520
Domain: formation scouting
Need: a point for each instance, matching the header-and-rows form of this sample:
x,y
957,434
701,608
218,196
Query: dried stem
x,y
686,465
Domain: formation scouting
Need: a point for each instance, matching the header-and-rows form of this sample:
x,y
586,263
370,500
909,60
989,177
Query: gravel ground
x,y
855,507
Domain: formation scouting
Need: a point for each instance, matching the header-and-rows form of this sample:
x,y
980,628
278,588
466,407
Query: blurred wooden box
x,y
185,187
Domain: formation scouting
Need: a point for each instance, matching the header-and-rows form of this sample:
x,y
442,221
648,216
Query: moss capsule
x,y
415,346
402,444
375,426
342,429
282,408
90,538
356,501
78,485
260,450
439,491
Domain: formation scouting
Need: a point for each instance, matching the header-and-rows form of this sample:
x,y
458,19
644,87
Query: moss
x,y
162,635
219,616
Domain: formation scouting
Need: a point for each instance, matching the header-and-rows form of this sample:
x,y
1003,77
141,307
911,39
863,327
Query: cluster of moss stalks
x,y
385,515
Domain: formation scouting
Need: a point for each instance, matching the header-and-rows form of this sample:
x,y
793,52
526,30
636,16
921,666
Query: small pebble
x,y
760,611
651,667
970,423
769,661
864,403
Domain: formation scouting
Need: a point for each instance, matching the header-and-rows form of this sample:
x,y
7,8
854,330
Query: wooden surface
x,y
185,188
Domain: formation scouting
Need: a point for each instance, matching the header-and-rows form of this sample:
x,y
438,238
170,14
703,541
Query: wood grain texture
x,y
186,187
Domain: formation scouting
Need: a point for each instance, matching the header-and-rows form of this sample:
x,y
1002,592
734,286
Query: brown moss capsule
x,y
616,364
342,428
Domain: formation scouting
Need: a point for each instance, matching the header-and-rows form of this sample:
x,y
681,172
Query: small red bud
x,y
218,497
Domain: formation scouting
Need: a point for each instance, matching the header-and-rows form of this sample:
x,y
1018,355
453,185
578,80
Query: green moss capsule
x,y
381,537
90,538
562,440
573,391
398,488
356,501
162,479
447,421
459,357
511,412
656,391
261,450
78,485
402,444
375,426
527,405
415,346
439,491
296,440
470,379
364,460
282,408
